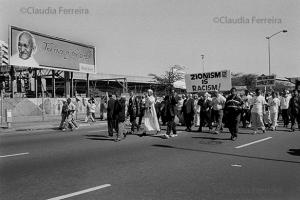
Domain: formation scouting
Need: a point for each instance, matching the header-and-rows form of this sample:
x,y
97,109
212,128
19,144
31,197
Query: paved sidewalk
x,y
43,125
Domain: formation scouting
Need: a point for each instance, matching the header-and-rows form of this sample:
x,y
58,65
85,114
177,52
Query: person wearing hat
x,y
284,105
151,121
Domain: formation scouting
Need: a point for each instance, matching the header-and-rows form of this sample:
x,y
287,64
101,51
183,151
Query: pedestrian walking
x,y
179,107
120,117
274,103
89,108
162,111
111,122
71,115
205,112
133,107
218,103
170,103
266,114
93,108
142,108
64,115
284,106
188,112
246,113
196,111
233,109
150,118
294,110
257,106
157,108
103,109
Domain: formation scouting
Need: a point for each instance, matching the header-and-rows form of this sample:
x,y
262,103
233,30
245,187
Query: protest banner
x,y
265,81
208,81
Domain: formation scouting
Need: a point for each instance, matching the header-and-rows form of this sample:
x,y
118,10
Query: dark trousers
x,y
133,123
205,117
171,126
233,123
285,117
294,118
141,115
111,124
188,119
246,116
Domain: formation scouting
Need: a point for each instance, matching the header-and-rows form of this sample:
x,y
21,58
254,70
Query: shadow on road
x,y
211,138
225,154
294,152
99,137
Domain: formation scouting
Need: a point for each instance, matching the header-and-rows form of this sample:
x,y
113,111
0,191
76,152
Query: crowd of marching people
x,y
212,111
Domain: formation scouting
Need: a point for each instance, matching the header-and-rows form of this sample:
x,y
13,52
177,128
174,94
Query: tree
x,y
175,73
248,80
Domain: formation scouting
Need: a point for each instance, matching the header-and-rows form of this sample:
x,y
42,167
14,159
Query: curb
x,y
54,127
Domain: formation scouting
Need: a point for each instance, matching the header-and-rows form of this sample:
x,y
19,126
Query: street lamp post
x,y
269,49
202,56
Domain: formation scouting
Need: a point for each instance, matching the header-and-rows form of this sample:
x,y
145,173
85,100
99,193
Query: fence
x,y
39,109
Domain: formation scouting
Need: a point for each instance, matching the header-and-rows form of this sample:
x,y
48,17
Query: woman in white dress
x,y
150,117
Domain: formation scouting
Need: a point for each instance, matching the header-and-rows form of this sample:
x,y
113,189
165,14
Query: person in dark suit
x,y
133,108
120,117
188,112
111,123
170,113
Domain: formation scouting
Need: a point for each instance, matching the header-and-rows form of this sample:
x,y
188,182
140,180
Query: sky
x,y
138,37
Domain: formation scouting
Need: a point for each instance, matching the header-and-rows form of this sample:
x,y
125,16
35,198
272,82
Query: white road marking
x,y
11,155
236,165
80,192
244,145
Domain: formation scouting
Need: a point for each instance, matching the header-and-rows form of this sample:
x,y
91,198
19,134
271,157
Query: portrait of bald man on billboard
x,y
26,47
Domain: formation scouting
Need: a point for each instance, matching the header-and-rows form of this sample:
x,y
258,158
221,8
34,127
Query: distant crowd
x,y
214,110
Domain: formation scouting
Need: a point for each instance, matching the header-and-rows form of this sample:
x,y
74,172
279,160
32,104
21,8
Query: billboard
x,y
208,81
3,53
32,49
265,81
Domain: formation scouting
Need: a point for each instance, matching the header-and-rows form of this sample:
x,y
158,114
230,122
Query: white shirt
x,y
247,101
284,102
218,102
258,102
274,104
